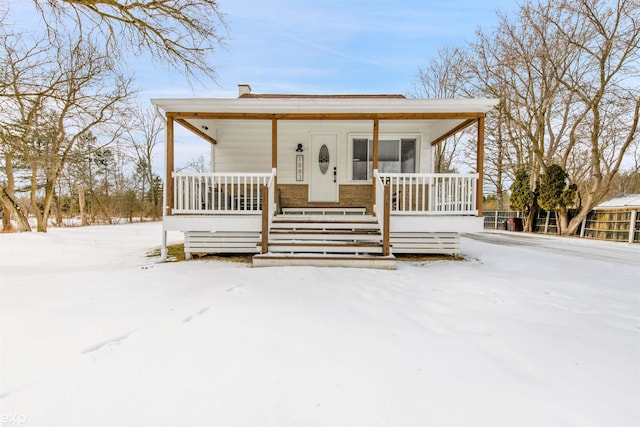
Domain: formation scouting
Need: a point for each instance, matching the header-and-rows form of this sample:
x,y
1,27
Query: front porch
x,y
242,213
357,168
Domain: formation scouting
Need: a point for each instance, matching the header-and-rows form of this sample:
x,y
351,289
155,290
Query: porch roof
x,y
446,116
308,104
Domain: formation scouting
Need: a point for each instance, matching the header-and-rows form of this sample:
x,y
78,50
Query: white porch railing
x,y
219,193
268,196
431,193
378,207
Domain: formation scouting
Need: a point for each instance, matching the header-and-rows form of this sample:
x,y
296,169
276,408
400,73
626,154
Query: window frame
x,y
381,137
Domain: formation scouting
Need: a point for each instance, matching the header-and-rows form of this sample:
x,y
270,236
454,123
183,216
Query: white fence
x,y
432,193
219,193
239,193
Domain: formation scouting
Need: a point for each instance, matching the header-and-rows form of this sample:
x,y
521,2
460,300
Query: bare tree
x,y
17,62
445,77
48,108
10,206
178,33
566,73
197,164
606,36
143,137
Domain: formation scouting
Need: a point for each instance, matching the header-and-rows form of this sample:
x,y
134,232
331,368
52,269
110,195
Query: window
x,y
394,155
361,161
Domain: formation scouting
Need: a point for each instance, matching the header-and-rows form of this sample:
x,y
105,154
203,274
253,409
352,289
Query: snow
x,y
527,330
629,200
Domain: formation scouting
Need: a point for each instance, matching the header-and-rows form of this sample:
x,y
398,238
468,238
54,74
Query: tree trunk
x,y
10,205
142,209
7,227
562,221
157,202
576,221
42,216
56,200
7,210
530,219
81,202
41,224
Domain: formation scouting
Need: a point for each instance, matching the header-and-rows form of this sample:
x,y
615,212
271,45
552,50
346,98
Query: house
x,y
322,180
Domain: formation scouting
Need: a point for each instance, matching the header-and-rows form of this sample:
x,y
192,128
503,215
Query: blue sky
x,y
329,46
315,47
325,47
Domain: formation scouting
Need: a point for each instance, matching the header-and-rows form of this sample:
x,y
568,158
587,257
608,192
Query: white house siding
x,y
245,146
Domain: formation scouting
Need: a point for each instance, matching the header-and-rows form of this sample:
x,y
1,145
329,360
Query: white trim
x,y
325,105
164,248
213,223
432,224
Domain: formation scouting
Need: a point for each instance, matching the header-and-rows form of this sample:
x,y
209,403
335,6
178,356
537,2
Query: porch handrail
x,y
271,202
378,207
219,193
382,209
431,193
268,197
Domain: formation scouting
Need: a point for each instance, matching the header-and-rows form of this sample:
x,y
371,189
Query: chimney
x,y
243,89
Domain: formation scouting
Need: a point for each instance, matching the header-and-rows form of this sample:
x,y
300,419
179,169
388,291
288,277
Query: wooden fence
x,y
497,220
615,225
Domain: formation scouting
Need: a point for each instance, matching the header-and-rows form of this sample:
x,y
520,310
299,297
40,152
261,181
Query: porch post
x,y
386,221
264,236
168,184
376,130
480,165
274,150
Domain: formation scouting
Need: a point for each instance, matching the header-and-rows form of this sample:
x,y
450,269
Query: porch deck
x,y
239,213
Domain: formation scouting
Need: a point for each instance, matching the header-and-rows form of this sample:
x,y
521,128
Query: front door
x,y
323,185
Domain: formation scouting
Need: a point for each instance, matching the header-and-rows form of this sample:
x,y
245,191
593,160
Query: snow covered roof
x,y
630,200
324,104
343,96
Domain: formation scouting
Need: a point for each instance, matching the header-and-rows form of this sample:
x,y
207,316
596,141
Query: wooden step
x,y
322,232
325,218
360,235
324,247
314,226
319,260
324,211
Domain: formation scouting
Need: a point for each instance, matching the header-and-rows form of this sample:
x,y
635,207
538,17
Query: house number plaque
x,y
299,167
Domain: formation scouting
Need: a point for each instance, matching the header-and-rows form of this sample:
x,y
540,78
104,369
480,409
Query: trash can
x,y
519,226
505,225
515,224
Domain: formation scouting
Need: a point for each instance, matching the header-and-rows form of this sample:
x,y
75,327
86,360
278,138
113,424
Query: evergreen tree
x,y
522,196
555,194
554,191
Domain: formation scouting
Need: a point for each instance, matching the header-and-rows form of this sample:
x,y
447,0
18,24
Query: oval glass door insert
x,y
323,159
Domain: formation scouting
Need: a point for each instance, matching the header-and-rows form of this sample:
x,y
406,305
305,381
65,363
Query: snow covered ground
x,y
523,332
